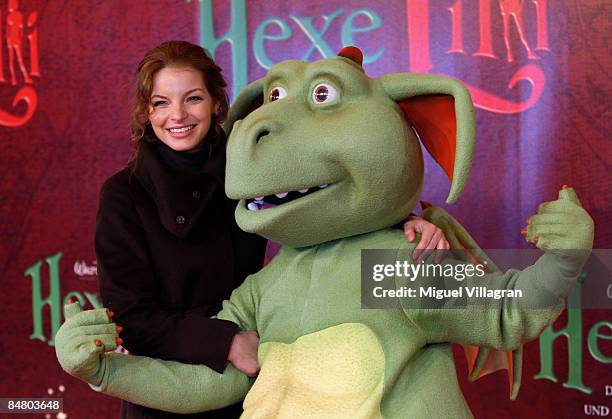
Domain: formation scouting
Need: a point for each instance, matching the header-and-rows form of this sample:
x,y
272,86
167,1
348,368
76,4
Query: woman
x,y
168,248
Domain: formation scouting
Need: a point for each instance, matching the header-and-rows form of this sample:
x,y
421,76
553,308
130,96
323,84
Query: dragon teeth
x,y
258,201
253,206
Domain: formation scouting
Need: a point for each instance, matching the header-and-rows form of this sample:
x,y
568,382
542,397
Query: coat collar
x,y
180,196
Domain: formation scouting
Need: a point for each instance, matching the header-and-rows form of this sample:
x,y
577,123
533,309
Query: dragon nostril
x,y
261,135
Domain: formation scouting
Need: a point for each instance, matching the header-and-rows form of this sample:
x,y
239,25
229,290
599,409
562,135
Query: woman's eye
x,y
324,93
193,98
277,93
158,103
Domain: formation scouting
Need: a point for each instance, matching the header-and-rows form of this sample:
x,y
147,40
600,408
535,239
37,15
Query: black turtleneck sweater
x,y
169,252
190,161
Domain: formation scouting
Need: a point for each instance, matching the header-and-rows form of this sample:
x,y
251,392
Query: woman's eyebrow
x,y
194,90
185,94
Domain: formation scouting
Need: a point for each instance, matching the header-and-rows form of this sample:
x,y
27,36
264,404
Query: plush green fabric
x,y
324,291
161,384
306,304
359,144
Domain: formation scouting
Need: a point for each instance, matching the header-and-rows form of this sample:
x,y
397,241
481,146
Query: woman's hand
x,y
432,238
243,353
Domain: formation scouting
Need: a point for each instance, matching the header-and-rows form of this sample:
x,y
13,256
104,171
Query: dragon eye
x,y
277,93
324,93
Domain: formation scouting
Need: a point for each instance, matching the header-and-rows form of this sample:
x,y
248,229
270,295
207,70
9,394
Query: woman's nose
x,y
178,112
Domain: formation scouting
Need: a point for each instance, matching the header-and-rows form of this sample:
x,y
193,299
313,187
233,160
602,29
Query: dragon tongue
x,y
266,205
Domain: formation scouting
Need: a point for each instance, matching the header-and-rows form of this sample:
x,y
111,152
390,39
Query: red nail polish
x,y
98,342
110,314
523,232
119,341
119,329
527,220
535,239
564,186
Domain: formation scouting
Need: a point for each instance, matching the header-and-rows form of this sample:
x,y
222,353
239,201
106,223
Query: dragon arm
x,y
564,230
552,278
82,346
510,321
170,385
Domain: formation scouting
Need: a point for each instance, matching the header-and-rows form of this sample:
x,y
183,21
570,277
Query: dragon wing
x,y
481,361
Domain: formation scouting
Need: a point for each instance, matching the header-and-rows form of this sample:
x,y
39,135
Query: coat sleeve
x,y
127,286
177,387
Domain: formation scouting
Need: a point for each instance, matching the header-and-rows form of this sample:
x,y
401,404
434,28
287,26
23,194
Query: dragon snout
x,y
261,133
257,127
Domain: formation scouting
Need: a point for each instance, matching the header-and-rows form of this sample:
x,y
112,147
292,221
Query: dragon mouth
x,y
274,200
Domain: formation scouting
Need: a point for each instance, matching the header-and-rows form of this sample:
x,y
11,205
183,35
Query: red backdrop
x,y
538,71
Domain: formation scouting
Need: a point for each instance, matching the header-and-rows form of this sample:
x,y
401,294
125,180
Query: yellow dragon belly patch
x,y
333,373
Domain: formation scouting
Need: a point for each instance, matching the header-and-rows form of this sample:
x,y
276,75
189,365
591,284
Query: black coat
x,y
169,252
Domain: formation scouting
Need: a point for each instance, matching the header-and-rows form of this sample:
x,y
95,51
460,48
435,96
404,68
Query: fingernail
x,y
98,342
523,232
110,314
118,340
527,220
119,329
535,239
564,186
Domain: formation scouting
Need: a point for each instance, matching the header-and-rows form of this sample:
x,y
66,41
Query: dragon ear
x,y
441,111
247,101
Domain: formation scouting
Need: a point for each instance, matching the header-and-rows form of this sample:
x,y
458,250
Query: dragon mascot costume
x,y
326,160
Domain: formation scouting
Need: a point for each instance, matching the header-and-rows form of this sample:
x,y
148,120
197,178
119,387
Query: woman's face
x,y
181,108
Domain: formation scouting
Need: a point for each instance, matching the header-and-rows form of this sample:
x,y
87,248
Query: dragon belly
x,y
333,373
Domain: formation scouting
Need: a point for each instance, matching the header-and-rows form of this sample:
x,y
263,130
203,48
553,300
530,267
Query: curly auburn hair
x,y
175,53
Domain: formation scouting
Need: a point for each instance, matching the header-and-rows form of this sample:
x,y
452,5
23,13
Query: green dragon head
x,y
320,151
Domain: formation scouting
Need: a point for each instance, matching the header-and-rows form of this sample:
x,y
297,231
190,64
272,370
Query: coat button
x,y
196,194
180,219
